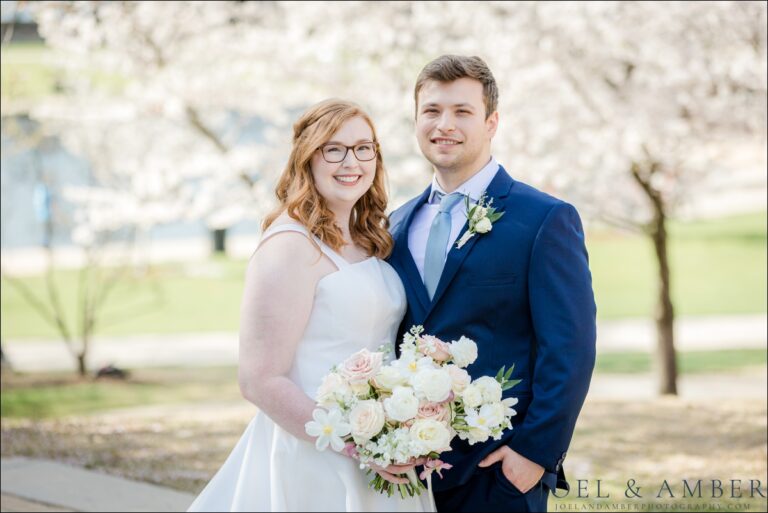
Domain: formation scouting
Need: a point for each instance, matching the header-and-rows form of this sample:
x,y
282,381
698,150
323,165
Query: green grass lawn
x,y
718,267
689,362
59,394
173,298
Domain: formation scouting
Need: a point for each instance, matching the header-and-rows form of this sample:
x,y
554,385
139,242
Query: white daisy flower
x,y
329,427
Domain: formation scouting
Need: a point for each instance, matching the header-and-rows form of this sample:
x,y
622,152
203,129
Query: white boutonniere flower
x,y
481,217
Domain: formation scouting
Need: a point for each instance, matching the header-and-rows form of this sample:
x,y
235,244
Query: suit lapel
x,y
404,253
497,189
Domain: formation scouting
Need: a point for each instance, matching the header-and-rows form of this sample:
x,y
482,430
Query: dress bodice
x,y
358,306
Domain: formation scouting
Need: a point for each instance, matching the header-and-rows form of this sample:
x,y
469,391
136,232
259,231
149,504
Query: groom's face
x,y
451,126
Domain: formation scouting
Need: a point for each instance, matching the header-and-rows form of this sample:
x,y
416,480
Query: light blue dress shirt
x,y
422,221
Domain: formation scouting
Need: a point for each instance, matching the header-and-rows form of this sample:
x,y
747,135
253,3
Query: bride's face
x,y
344,182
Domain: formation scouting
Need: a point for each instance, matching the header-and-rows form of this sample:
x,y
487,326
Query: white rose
x,y
366,419
388,378
480,212
472,396
433,384
334,388
431,435
483,225
403,405
490,388
459,377
463,351
360,389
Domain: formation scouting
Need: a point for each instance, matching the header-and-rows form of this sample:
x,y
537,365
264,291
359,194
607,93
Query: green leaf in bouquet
x,y
509,384
509,372
500,375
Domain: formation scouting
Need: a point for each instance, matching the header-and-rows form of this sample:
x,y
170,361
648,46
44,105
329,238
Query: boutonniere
x,y
481,217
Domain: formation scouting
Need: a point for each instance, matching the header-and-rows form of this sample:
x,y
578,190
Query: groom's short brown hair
x,y
448,68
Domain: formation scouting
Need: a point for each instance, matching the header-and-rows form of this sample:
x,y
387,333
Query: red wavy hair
x,y
298,196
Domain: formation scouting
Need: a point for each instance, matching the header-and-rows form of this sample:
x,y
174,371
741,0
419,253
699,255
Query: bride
x,y
316,291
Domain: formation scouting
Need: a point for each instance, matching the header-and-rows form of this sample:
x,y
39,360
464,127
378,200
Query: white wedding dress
x,y
359,306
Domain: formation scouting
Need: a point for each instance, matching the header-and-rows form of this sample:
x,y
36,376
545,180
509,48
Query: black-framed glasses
x,y
333,153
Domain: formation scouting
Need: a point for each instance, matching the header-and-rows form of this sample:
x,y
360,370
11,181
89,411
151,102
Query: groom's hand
x,y
520,471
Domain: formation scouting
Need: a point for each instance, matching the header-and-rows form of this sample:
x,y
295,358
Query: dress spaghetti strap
x,y
293,227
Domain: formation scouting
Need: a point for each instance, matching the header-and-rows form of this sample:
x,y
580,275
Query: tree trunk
x,y
666,360
220,240
4,363
81,368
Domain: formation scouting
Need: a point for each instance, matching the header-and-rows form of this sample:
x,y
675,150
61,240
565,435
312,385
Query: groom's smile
x,y
440,141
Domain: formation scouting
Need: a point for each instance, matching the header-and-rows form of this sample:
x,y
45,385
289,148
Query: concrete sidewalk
x,y
42,485
211,349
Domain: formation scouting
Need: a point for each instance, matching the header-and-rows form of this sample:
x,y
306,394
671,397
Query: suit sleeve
x,y
563,317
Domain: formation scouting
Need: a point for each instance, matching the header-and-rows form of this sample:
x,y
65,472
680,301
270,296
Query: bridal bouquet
x,y
386,411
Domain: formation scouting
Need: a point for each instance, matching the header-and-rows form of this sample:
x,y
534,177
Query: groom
x,y
522,290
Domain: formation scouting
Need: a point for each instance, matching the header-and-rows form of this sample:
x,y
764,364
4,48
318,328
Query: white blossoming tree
x,y
616,106
623,106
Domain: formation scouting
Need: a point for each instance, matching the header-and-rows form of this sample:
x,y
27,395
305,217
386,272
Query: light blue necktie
x,y
434,258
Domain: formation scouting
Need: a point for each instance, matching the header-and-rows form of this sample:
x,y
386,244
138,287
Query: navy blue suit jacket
x,y
523,293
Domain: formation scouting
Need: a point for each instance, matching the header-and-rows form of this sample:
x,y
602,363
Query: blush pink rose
x,y
361,366
435,411
434,348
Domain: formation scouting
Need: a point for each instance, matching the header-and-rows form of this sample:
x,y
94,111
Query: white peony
x,y
472,396
464,351
483,225
366,420
490,388
459,377
402,405
432,384
431,435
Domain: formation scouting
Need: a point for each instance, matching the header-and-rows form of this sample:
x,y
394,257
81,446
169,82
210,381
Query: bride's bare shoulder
x,y
285,250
